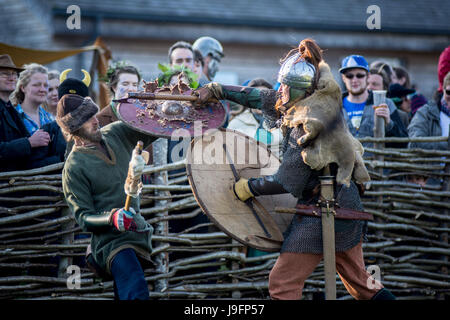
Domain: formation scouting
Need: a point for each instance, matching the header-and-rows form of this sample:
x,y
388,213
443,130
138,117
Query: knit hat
x,y
73,111
396,90
443,66
416,102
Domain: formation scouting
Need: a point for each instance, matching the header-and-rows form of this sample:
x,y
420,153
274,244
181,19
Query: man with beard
x,y
359,110
306,81
93,183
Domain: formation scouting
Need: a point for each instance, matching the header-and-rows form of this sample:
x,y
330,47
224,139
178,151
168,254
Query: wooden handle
x,y
161,96
127,203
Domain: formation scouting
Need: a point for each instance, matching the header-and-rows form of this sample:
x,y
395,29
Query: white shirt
x,y
444,122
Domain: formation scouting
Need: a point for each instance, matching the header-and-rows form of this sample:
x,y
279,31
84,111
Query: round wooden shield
x,y
212,179
169,119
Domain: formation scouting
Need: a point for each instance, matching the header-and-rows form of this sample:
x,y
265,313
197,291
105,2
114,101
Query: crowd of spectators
x,y
30,137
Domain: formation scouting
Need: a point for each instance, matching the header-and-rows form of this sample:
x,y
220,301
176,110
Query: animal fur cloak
x,y
327,138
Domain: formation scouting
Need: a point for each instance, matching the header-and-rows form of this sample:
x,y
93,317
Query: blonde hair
x,y
446,81
54,74
17,96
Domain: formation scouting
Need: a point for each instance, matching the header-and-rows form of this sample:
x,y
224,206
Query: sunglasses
x,y
351,75
447,92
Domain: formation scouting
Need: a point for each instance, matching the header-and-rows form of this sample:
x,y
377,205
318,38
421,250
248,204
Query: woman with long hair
x,y
46,140
30,95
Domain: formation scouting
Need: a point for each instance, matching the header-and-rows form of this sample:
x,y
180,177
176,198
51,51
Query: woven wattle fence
x,y
42,248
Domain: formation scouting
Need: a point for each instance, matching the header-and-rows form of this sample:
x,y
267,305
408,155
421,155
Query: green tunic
x,y
93,184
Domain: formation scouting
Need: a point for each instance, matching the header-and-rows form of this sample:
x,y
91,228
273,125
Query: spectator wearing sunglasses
x,y
433,119
359,110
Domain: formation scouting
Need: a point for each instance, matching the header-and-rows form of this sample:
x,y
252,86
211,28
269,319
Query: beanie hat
x,y
416,102
73,111
443,66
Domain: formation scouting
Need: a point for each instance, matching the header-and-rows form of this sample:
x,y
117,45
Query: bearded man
x,y
304,104
359,109
93,183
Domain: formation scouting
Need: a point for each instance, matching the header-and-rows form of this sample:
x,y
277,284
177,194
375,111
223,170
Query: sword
x,y
329,250
248,202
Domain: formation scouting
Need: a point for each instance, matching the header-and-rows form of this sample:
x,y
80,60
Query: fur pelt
x,y
327,138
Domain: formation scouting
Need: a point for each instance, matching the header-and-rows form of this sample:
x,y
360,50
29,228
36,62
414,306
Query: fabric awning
x,y
102,55
22,56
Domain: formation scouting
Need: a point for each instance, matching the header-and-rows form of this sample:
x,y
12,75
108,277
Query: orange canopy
x,y
102,55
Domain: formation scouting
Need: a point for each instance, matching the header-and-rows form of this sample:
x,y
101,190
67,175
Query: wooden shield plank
x,y
212,181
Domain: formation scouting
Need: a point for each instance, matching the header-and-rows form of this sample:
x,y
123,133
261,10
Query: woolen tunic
x,y
94,184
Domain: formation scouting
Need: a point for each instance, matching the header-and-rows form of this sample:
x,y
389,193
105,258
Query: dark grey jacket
x,y
426,123
395,128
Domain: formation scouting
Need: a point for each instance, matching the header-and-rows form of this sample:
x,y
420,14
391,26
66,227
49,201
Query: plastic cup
x,y
379,97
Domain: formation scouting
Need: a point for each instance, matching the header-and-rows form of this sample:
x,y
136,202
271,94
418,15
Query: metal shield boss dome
x,y
296,75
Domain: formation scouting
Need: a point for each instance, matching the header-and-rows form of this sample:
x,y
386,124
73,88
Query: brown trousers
x,y
287,278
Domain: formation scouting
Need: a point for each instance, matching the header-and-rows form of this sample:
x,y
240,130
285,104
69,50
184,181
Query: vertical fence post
x,y
67,238
444,235
379,132
161,228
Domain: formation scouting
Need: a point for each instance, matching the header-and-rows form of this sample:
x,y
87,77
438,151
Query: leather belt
x,y
315,211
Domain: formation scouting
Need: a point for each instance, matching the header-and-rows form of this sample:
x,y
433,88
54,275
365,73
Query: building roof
x,y
402,16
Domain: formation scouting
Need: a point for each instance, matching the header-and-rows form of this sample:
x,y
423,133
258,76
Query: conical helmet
x,y
297,74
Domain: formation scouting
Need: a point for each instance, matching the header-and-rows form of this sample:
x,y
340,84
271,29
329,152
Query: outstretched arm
x,y
262,99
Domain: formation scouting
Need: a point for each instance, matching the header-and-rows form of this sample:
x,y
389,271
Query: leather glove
x,y
242,190
125,220
203,94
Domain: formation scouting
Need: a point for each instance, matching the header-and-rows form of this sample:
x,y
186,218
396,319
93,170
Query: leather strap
x,y
340,213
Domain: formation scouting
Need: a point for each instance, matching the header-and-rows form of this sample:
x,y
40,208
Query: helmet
x,y
354,61
297,75
72,85
208,45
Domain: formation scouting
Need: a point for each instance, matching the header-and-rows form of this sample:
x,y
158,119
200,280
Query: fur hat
x,y
73,111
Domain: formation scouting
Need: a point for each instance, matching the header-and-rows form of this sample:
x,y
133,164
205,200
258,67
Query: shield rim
x,y
165,135
210,216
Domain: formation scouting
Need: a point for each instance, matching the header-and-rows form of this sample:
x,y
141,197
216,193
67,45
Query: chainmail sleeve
x,y
293,174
